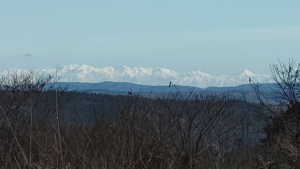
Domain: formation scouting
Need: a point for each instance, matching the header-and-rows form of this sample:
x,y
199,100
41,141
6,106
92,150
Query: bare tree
x,y
282,145
26,101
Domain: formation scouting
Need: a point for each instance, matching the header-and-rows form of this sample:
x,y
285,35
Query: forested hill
x,y
125,87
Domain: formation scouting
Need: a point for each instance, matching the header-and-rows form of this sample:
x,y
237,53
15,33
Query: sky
x,y
216,37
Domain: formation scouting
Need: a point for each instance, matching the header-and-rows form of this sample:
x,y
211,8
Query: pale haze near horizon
x,y
215,37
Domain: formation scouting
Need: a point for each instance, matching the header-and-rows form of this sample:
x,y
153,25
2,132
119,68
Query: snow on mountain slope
x,y
147,76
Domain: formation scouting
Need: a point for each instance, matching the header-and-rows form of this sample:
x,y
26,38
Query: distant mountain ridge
x,y
125,87
148,76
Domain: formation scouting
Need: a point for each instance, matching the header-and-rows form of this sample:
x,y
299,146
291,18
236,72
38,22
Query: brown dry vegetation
x,y
44,126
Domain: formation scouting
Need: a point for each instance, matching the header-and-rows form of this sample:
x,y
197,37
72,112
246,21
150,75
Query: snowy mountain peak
x,y
73,66
148,76
247,73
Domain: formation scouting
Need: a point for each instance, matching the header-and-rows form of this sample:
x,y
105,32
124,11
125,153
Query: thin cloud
x,y
28,55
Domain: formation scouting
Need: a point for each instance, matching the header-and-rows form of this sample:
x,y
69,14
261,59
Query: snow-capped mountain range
x,y
147,76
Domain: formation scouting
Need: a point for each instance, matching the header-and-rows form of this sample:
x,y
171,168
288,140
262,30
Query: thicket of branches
x,y
44,126
281,147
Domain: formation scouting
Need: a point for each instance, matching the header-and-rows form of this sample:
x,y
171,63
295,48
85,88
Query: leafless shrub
x,y
280,148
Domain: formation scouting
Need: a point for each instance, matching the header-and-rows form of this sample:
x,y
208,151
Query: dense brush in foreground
x,y
132,132
43,126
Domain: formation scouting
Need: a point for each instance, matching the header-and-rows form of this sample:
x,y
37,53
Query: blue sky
x,y
216,37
